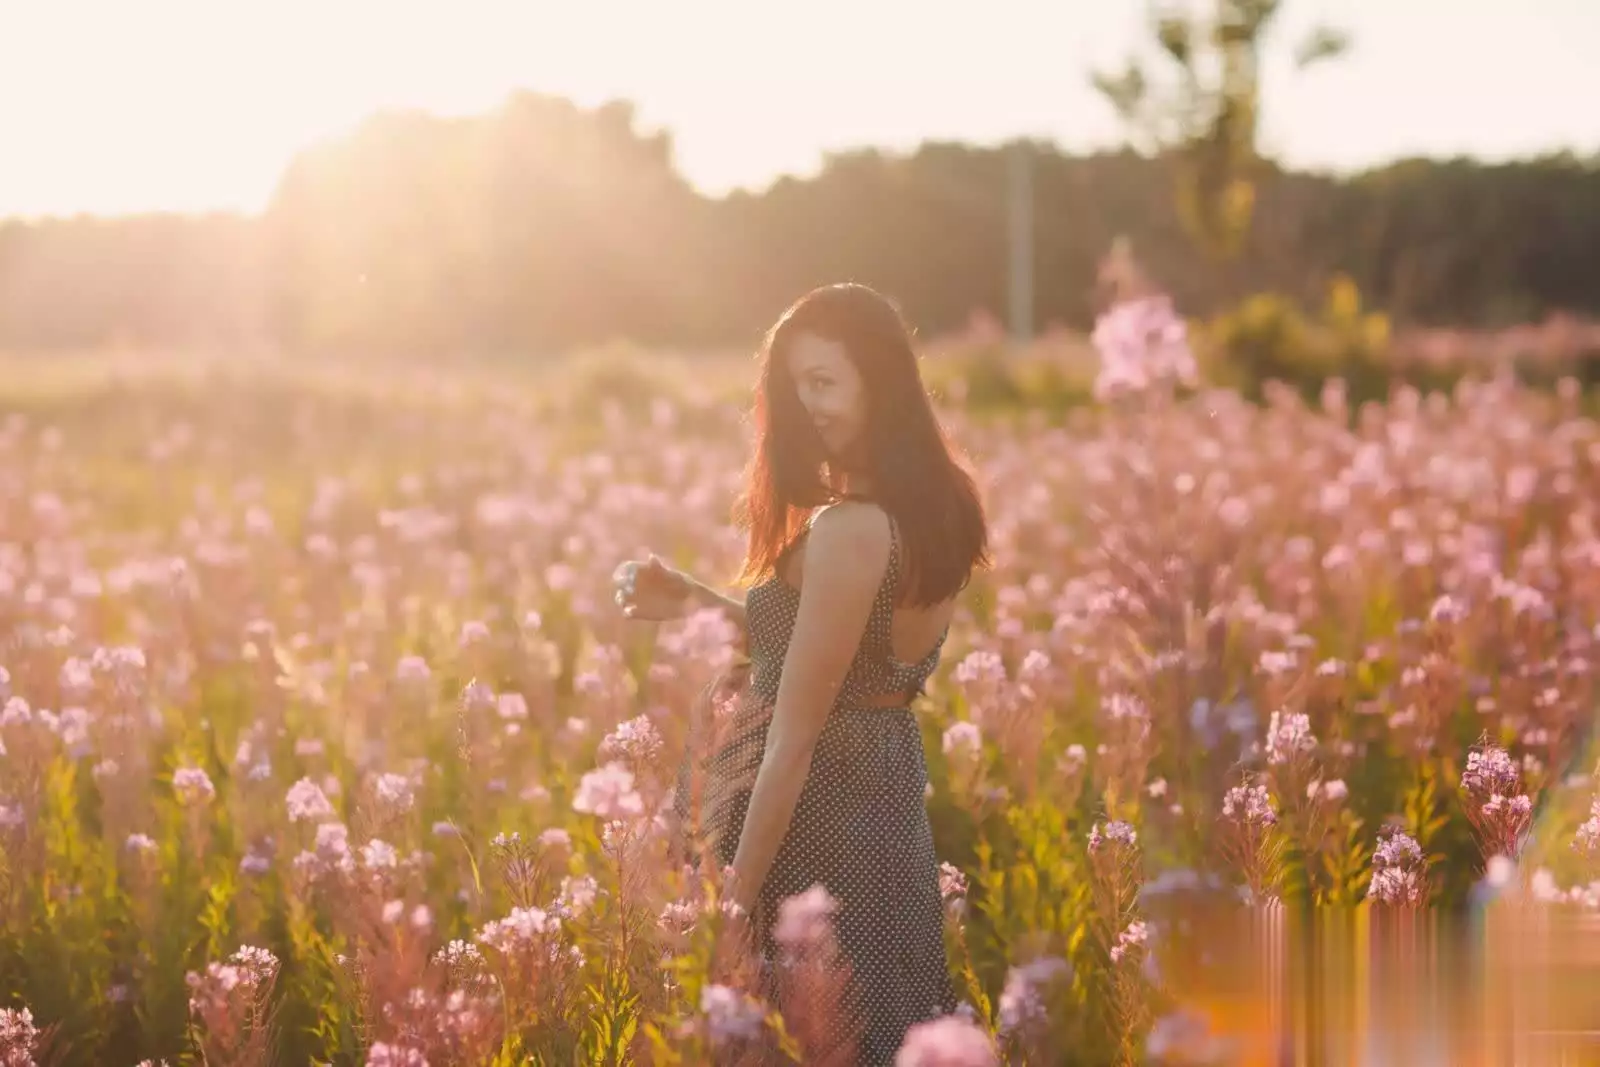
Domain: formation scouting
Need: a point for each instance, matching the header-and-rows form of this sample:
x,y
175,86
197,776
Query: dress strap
x,y
891,574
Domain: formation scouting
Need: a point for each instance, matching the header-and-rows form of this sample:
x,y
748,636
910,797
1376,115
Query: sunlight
x,y
397,581
182,105
190,106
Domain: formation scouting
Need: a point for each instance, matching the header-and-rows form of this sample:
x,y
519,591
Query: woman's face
x,y
830,389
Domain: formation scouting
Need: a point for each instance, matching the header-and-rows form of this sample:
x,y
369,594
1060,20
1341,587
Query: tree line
x,y
543,226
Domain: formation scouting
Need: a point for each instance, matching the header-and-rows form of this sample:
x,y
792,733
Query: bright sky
x,y
122,105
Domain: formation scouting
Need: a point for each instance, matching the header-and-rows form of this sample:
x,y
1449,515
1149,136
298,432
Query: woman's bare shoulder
x,y
852,536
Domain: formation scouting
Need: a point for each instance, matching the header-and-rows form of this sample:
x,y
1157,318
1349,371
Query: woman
x,y
863,530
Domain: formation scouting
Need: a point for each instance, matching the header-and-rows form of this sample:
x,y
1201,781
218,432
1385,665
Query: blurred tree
x,y
541,226
1206,115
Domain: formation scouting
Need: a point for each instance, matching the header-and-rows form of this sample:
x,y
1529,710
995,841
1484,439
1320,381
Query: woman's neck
x,y
842,482
858,486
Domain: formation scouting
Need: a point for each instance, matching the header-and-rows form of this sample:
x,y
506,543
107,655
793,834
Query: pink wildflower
x,y
1134,937
193,786
805,920
608,792
1289,736
1141,341
1587,839
306,802
18,1037
412,670
382,1054
1022,1000
636,740
731,1015
395,792
1251,805
962,738
1116,832
949,1041
1398,870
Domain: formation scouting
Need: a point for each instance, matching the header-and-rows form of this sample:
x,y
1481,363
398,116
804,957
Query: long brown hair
x,y
915,473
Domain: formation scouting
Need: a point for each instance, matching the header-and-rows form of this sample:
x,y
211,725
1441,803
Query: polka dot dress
x,y
860,828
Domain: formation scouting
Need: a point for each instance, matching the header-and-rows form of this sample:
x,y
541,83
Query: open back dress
x,y
860,829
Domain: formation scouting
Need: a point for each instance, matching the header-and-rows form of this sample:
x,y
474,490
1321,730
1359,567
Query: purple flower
x,y
1395,885
952,883
512,706
980,666
1288,736
1397,870
18,1036
379,855
1123,706
193,786
576,895
962,737
637,740
259,963
1332,791
477,697
123,665
805,920
1249,804
1141,341
555,838
15,712
731,1015
1491,772
386,1055
678,916
394,792
1022,999
412,670
523,927
1119,832
1134,937
307,802
1587,839
608,792
1447,609
950,1041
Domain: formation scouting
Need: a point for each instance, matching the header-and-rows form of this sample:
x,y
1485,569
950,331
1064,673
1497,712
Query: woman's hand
x,y
651,591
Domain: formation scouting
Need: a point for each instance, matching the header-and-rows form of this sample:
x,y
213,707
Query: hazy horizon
x,y
179,106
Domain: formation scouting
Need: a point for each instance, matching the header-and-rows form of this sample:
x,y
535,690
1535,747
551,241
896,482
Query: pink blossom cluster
x,y
18,1037
1251,805
1142,342
1399,873
327,671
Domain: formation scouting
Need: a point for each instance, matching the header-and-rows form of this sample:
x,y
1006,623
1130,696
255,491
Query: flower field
x,y
323,741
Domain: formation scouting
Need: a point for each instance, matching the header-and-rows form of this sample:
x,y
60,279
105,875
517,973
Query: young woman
x,y
863,530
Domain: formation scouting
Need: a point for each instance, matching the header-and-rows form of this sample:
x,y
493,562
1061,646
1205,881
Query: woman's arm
x,y
652,591
846,554
702,595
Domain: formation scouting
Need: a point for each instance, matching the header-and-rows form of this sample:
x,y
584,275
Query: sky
x,y
113,106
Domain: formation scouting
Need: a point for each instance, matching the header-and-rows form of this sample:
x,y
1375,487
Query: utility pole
x,y
1019,200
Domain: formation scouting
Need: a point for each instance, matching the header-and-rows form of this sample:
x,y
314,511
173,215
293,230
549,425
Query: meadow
x,y
323,741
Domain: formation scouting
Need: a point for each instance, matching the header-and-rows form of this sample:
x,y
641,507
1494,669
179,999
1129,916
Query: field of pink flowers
x,y
322,740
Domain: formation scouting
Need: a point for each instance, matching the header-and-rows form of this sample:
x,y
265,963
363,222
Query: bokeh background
x,y
346,348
